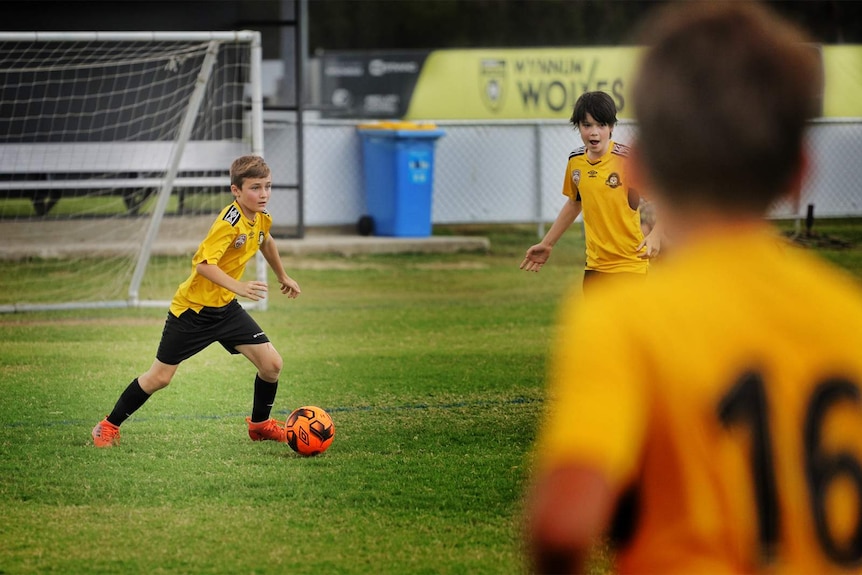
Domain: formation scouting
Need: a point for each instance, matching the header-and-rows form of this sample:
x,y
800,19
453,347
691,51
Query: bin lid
x,y
397,125
400,129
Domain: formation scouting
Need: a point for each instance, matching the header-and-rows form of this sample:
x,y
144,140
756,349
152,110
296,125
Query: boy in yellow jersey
x,y
718,429
205,309
598,185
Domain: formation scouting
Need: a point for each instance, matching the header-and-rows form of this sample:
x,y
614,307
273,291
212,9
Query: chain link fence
x,y
512,171
834,186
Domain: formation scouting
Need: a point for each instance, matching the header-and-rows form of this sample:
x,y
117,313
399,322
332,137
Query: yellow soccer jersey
x,y
731,399
232,240
612,227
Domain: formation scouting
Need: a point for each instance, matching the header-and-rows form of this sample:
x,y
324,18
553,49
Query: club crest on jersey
x,y
240,241
613,180
576,177
232,216
260,238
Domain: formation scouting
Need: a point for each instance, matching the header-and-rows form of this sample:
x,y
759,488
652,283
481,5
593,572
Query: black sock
x,y
130,400
264,398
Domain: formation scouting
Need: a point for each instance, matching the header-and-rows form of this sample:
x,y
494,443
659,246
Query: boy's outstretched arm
x,y
538,254
567,509
269,249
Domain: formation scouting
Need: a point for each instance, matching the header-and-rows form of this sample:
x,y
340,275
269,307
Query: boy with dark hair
x,y
597,183
599,105
718,429
205,310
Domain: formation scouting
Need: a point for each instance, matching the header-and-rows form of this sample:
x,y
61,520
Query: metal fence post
x,y
537,167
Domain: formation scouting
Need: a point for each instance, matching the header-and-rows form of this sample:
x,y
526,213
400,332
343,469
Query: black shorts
x,y
591,277
190,333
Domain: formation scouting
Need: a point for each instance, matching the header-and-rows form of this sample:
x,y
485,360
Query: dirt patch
x,y
821,241
465,265
20,320
331,265
98,237
347,265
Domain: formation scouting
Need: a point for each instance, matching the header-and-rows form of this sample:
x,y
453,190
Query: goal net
x,y
115,151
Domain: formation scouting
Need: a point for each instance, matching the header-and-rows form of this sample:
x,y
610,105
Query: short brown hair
x,y
245,167
722,98
599,105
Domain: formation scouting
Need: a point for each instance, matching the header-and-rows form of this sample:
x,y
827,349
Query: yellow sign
x,y
842,68
544,83
520,83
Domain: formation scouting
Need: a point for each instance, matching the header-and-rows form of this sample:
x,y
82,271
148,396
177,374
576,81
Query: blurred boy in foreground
x,y
719,428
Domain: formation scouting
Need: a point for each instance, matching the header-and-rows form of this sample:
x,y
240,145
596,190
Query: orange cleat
x,y
106,434
271,429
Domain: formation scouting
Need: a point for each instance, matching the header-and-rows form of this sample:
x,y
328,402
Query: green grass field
x,y
431,366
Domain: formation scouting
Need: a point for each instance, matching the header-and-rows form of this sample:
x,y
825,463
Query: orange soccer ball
x,y
309,430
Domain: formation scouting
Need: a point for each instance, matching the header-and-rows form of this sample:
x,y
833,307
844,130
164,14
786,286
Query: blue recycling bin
x,y
398,166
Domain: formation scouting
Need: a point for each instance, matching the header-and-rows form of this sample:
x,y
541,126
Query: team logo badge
x,y
260,238
492,78
240,241
613,180
576,177
232,216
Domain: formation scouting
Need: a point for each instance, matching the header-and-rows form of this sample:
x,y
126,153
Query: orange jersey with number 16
x,y
731,403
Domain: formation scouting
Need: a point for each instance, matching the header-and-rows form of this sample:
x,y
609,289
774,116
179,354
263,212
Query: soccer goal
x,y
115,150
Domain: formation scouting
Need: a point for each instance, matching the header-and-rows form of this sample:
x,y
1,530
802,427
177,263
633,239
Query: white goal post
x,y
102,131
